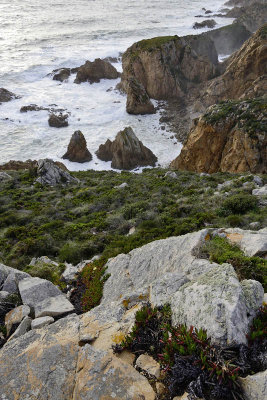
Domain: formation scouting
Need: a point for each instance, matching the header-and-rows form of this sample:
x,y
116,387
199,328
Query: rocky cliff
x,y
245,74
229,137
166,66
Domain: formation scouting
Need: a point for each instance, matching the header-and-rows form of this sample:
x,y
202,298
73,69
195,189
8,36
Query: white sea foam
x,y
65,33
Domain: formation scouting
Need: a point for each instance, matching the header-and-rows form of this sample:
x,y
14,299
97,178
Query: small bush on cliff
x,y
220,250
238,204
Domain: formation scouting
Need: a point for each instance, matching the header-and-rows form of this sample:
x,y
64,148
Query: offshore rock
x,y
208,23
77,149
6,96
230,137
138,101
49,173
58,121
126,151
95,71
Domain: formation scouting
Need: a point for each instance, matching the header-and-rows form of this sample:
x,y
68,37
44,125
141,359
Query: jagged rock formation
x,y
230,137
49,173
95,71
165,66
245,75
77,149
58,121
6,96
252,17
72,358
126,151
138,101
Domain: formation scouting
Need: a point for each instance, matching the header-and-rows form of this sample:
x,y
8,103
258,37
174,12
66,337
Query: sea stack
x,y
77,149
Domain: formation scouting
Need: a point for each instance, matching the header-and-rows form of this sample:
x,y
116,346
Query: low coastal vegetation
x,y
76,222
188,359
249,115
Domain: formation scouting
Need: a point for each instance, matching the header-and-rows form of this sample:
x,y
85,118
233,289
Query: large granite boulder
x,y
77,149
95,71
10,277
15,316
126,151
44,298
255,386
228,138
138,101
49,173
6,96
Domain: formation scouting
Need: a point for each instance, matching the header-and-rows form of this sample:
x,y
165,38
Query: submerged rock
x,y
77,149
126,151
95,71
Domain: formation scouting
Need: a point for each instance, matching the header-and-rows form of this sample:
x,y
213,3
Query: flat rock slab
x,y
253,243
23,327
41,322
44,298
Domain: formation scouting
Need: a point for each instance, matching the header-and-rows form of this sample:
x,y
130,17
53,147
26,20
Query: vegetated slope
x,y
75,222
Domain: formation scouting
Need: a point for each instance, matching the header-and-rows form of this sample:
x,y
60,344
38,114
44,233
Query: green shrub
x,y
49,272
220,250
238,204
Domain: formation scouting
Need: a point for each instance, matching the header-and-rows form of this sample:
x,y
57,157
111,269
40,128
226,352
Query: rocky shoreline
x,y
147,286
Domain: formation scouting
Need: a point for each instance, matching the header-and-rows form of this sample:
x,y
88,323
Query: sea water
x,y
37,37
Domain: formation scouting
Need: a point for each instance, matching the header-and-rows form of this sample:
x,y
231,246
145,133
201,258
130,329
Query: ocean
x,y
37,37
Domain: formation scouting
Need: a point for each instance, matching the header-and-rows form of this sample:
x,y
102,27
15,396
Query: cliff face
x,y
245,74
230,137
166,66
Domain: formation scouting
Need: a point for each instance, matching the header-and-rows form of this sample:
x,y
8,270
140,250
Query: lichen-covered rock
x,y
126,151
77,149
138,101
39,323
23,327
148,364
230,137
255,386
95,71
15,316
49,173
217,302
251,242
44,298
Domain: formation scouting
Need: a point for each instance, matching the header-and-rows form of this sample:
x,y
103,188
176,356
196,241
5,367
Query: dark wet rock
x,y
138,101
94,71
6,95
58,121
49,173
77,149
61,74
208,12
208,23
31,107
126,151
